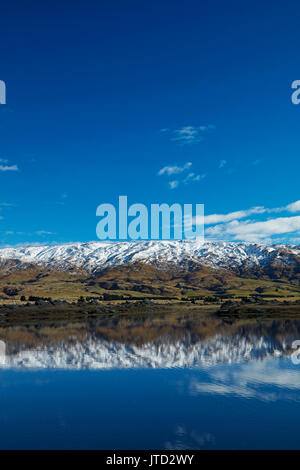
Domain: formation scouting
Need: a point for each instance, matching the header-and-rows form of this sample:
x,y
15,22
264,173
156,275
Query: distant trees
x,y
33,298
260,290
10,291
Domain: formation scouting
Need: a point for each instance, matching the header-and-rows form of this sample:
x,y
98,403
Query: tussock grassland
x,y
139,281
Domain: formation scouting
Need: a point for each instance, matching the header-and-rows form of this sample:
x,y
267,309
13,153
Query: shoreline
x,y
63,310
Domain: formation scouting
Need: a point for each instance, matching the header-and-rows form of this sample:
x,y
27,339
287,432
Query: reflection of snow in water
x,y
97,353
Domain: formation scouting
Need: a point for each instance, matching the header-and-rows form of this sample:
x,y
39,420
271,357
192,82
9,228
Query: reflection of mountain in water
x,y
147,343
96,353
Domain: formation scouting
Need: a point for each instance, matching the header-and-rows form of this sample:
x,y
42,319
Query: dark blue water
x,y
232,388
252,405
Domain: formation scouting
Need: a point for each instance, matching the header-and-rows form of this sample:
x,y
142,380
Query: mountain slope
x,y
159,268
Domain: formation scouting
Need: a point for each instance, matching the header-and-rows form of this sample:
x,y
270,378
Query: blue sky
x,y
162,101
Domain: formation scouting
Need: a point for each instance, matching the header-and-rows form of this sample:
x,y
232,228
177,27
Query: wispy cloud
x,y
222,163
6,204
37,232
174,169
193,177
221,218
171,170
5,166
9,168
188,135
44,232
173,184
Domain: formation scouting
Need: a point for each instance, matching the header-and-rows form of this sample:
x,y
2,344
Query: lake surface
x,y
176,382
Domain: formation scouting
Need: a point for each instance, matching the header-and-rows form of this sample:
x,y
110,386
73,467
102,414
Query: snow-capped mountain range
x,y
96,256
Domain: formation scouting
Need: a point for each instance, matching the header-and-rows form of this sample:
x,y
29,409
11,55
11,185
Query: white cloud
x,y
236,215
193,177
230,226
254,231
265,228
171,170
222,163
9,168
221,218
294,207
174,169
187,135
173,184
44,232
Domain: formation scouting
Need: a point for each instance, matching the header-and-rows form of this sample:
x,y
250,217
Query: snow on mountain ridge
x,y
95,256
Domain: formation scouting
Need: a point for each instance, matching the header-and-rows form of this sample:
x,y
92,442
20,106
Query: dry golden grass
x,y
139,280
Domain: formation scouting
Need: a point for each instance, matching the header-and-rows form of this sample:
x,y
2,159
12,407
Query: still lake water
x,y
176,382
